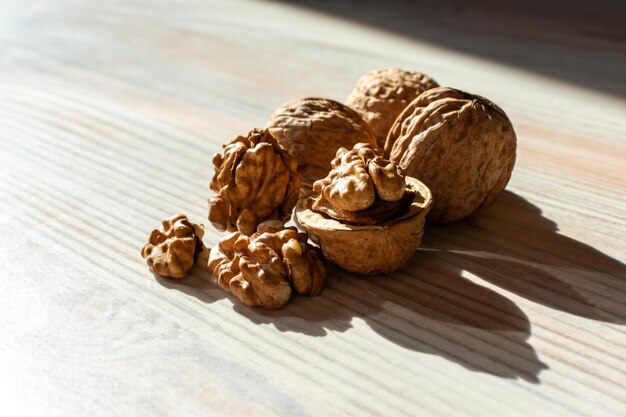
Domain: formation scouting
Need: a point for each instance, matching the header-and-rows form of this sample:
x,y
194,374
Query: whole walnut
x,y
255,180
172,250
366,215
461,145
380,96
263,269
312,129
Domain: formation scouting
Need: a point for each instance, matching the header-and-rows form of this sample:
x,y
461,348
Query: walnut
x,y
312,129
255,180
366,215
461,145
262,269
172,250
360,178
380,96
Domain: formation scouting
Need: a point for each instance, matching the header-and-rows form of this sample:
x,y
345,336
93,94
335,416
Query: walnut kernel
x,y
172,250
255,180
263,269
357,179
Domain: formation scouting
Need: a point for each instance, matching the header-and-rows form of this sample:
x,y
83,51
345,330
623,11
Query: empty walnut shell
x,y
461,145
255,180
380,96
172,250
312,129
369,249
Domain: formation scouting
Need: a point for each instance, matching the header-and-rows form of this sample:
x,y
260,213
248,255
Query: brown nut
x,y
262,269
172,250
380,96
255,180
312,129
348,186
361,188
461,145
369,249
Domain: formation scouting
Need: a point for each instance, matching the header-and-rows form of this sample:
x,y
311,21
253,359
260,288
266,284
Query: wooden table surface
x,y
109,115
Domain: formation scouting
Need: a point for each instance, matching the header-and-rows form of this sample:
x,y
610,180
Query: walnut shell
x,y
312,129
255,180
380,96
262,269
461,145
172,250
369,249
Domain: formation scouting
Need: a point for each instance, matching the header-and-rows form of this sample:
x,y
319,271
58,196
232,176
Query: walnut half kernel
x,y
362,187
173,249
263,269
255,180
366,215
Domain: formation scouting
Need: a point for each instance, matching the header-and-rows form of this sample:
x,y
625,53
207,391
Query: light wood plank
x,y
109,115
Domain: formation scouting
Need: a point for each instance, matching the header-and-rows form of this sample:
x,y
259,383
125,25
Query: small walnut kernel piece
x,y
362,187
262,269
462,146
387,178
255,180
380,96
172,250
312,129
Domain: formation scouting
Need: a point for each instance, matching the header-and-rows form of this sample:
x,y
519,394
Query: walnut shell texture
x,y
172,250
255,180
380,96
263,269
312,129
459,144
369,249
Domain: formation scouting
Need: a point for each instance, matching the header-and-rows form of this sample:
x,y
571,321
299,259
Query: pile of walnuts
x,y
361,179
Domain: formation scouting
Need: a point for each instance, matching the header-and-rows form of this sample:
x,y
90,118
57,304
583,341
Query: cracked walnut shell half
x,y
380,96
365,215
255,180
172,250
263,269
461,145
312,129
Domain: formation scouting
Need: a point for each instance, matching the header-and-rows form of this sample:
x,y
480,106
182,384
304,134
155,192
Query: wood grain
x,y
109,115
